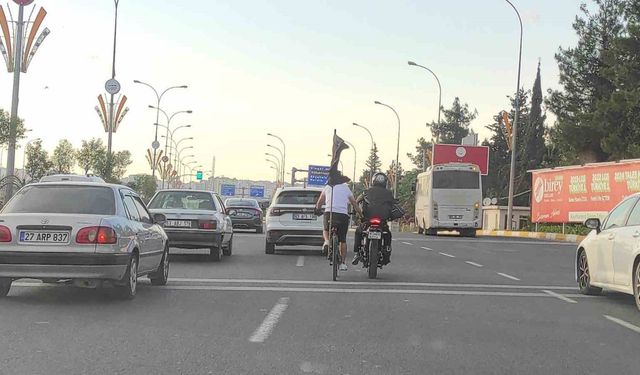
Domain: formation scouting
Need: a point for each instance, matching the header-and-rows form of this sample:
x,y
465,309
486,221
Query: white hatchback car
x,y
609,257
291,220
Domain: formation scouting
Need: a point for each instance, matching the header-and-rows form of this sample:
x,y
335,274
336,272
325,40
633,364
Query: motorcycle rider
x,y
377,201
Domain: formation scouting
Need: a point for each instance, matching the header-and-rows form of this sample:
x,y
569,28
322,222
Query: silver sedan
x,y
195,220
89,233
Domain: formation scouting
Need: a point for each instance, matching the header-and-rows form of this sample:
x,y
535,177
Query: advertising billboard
x,y
478,155
574,194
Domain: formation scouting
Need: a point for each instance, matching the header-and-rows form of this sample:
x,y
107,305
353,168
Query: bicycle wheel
x,y
374,252
335,257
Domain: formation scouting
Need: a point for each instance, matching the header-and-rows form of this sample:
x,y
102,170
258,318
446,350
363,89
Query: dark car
x,y
245,213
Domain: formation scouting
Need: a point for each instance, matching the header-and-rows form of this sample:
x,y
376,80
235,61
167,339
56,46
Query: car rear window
x,y
307,197
189,200
242,203
63,199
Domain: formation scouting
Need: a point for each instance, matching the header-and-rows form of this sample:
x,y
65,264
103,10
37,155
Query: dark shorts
x,y
341,222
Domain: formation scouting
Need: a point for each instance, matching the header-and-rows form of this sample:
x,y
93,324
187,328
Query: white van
x,y
448,197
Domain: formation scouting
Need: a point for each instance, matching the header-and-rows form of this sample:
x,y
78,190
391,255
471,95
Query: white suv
x,y
291,220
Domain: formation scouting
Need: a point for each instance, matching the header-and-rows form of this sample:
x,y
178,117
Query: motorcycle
x,y
374,251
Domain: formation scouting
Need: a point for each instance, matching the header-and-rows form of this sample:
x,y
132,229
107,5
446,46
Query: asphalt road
x,y
443,306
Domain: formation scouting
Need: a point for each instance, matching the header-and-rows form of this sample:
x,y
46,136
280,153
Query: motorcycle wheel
x,y
374,253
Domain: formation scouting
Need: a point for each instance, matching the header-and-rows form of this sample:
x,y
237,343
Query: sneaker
x,y
343,267
356,260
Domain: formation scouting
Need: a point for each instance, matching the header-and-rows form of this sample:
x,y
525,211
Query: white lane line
x,y
559,296
269,323
508,276
447,255
407,243
358,291
300,262
483,241
342,283
426,248
474,264
623,323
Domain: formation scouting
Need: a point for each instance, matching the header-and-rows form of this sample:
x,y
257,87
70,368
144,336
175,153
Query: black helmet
x,y
379,179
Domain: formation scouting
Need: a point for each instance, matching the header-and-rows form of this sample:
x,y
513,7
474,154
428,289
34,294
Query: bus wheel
x,y
420,230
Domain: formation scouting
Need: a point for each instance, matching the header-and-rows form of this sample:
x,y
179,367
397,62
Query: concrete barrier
x,y
539,235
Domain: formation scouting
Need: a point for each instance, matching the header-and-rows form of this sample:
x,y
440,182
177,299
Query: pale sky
x,y
295,68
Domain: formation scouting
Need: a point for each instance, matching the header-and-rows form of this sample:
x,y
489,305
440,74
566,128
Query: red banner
x,y
574,194
478,155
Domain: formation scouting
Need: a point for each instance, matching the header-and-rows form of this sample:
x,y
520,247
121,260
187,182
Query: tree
x,y
580,134
112,170
535,129
64,157
456,123
38,163
391,173
422,154
145,185
5,125
373,163
89,154
406,197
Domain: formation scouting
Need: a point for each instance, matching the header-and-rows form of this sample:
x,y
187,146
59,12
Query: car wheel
x,y
161,276
130,287
215,252
636,284
269,248
5,285
584,276
420,229
227,251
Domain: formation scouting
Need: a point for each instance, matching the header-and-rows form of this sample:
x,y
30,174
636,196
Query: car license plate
x,y
28,236
304,217
455,217
375,235
244,215
179,223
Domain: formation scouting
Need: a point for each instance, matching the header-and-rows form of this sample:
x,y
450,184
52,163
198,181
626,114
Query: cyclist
x,y
342,196
377,201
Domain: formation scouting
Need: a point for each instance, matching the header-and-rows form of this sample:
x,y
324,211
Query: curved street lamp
x,y
284,152
424,158
158,99
355,161
395,180
276,159
169,118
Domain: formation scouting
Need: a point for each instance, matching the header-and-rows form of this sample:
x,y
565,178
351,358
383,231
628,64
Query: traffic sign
x,y
318,175
199,175
112,86
256,191
155,145
165,159
228,190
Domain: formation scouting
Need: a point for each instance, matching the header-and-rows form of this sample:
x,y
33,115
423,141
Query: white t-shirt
x,y
341,195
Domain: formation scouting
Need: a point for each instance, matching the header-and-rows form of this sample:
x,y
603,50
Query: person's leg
x,y
325,234
342,224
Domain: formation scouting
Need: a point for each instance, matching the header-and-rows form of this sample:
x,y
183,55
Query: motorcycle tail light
x,y
375,221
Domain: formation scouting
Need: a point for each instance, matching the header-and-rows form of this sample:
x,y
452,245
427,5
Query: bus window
x,y
456,180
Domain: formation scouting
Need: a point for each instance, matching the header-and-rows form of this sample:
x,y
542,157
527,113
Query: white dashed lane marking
x,y
407,243
623,323
300,262
508,276
447,255
560,296
474,264
426,248
269,323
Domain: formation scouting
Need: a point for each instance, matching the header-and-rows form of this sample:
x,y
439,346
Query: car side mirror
x,y
159,219
593,223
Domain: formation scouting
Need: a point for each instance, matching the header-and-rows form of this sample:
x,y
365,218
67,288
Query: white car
x,y
609,257
291,220
93,234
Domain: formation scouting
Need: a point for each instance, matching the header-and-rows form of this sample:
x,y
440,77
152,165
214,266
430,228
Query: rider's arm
x,y
355,205
321,201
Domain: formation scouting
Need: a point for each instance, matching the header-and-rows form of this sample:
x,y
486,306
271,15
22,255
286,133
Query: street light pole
x,y
372,145
355,161
275,166
284,153
424,158
169,118
158,99
279,163
395,180
514,133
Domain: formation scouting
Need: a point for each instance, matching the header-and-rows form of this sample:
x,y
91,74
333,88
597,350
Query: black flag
x,y
335,176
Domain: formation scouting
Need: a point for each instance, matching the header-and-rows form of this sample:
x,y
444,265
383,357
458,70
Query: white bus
x,y
448,197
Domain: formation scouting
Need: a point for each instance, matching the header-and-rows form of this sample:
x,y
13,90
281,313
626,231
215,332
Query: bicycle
x,y
333,253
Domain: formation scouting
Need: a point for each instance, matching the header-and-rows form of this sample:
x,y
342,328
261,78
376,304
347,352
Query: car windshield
x,y
188,200
456,180
305,197
242,203
63,199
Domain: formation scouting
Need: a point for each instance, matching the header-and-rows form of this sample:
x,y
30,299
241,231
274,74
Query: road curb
x,y
537,235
